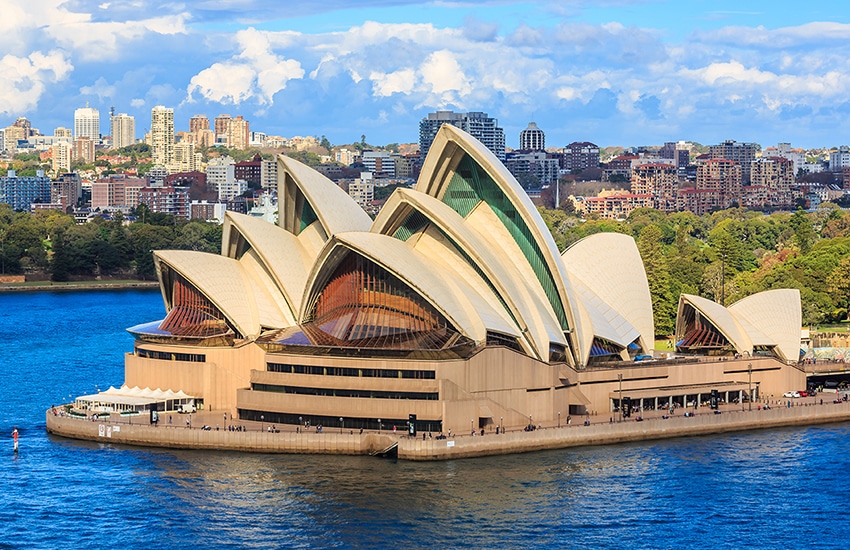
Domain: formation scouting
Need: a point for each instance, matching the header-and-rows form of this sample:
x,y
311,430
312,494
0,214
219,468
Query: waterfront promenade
x,y
256,438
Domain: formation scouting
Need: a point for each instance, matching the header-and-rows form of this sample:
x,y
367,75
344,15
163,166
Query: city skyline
x,y
621,72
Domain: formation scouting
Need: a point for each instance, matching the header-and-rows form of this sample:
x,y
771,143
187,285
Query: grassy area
x,y
665,344
836,327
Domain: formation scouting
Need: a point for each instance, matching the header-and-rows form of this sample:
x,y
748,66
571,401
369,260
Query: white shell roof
x,y
532,312
282,253
613,283
778,316
446,150
337,212
226,284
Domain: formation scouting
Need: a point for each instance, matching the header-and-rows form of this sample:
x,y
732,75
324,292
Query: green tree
x,y
804,232
839,283
60,261
657,274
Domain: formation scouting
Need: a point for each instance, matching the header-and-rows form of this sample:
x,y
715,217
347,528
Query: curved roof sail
x,y
608,272
467,177
313,206
409,213
777,314
281,255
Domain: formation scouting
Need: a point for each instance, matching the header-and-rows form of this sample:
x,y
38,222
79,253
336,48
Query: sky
x,y
613,72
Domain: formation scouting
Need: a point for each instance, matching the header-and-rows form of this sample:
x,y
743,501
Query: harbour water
x,y
766,489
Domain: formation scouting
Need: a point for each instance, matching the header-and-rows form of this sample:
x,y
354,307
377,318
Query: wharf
x,y
348,442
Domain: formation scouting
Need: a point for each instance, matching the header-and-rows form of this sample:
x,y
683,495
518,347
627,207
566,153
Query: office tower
x,y
162,135
532,138
123,128
87,123
478,125
221,128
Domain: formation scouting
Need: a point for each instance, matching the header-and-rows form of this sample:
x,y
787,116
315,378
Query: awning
x,y
681,390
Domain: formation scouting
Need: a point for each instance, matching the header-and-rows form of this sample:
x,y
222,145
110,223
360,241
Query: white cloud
x,y
27,78
398,82
817,32
444,77
255,73
101,88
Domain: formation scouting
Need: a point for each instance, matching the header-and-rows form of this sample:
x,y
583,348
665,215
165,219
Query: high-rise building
x,y
677,151
239,134
221,129
61,156
162,135
743,153
62,132
362,190
166,200
532,138
123,128
87,123
198,123
12,135
268,174
718,186
84,149
185,158
580,155
479,125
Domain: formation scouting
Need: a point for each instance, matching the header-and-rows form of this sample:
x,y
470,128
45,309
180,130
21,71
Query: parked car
x,y
803,393
791,394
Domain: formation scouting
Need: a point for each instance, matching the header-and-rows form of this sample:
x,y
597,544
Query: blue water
x,y
768,489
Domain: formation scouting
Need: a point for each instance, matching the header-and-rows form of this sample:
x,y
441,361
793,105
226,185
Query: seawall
x,y
57,287
334,442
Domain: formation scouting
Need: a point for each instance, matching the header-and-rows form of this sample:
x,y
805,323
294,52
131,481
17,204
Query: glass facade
x,y
470,185
192,314
365,306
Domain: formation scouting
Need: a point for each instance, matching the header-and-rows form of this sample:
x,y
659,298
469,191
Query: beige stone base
x,y
348,443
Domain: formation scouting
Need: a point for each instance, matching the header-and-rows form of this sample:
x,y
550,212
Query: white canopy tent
x,y
133,399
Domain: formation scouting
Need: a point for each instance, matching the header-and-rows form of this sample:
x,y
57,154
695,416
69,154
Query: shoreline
x,y
348,442
81,285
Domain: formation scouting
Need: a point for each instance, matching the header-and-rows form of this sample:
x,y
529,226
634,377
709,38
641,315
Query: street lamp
x,y
620,408
472,426
262,420
501,427
301,422
750,372
340,424
559,419
379,425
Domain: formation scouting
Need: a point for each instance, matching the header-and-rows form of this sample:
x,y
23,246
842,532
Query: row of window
x,y
168,356
332,392
335,422
345,371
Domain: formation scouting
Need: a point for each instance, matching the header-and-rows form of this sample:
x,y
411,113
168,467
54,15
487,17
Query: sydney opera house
x,y
453,305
